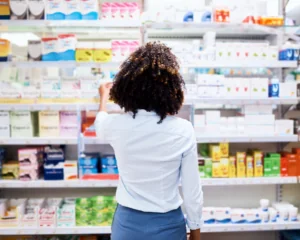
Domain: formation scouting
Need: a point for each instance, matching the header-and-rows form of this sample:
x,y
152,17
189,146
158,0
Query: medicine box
x,y
109,164
284,127
10,170
31,213
70,170
249,166
240,164
48,213
258,163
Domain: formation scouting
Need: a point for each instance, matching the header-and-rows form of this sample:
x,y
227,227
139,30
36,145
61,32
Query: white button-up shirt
x,y
152,158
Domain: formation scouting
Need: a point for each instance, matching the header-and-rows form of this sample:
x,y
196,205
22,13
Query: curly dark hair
x,y
149,79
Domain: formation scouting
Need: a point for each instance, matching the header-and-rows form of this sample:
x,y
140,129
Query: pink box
x,y
68,131
106,10
68,118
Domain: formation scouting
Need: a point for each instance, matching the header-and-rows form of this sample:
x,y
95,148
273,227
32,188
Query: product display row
x,y
50,164
279,212
218,86
218,11
65,47
210,49
57,212
66,10
216,161
43,124
255,121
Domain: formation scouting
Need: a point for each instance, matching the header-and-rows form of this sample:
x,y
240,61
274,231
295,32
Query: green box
x,y
268,167
275,158
201,167
208,168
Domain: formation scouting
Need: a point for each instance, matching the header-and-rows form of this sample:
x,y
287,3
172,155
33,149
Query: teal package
x,y
109,164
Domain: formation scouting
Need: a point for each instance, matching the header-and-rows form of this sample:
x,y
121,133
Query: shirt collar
x,y
143,112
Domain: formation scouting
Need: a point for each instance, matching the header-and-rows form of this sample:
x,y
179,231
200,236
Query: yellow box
x,y
214,152
224,149
84,55
216,170
102,55
4,9
232,167
240,164
258,164
224,167
5,47
249,166
10,170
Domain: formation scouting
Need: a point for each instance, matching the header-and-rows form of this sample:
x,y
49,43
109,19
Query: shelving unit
x,y
215,188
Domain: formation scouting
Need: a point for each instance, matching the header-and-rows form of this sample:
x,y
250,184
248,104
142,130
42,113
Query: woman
x,y
156,151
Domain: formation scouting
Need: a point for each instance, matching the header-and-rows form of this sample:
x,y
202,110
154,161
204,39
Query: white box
x,y
70,170
258,109
212,117
259,119
223,215
253,216
259,88
238,216
245,86
213,129
288,90
5,131
259,130
199,120
208,214
191,90
20,118
284,127
4,118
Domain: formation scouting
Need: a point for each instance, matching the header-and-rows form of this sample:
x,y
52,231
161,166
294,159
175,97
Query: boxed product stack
x,y
54,164
49,124
88,164
68,124
30,162
30,217
5,127
272,165
23,124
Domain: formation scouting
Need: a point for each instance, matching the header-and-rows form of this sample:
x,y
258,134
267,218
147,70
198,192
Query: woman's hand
x,y
104,91
195,234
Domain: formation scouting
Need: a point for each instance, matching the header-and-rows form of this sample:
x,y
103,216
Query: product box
x,y
32,157
268,167
224,150
284,127
296,151
34,49
48,124
4,10
258,163
5,45
51,87
102,52
253,216
109,164
21,118
284,167
292,164
10,170
68,118
48,213
216,170
18,9
36,9
82,211
29,173
72,10
214,152
212,117
31,214
222,215
224,162
259,88
260,119
238,216
84,52
50,48
240,164
66,213
249,166
232,167
11,212
70,170
201,168
288,90
89,9
208,215
208,168
54,10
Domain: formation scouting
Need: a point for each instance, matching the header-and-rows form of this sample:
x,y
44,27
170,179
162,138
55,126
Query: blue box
x,y
89,160
109,164
84,171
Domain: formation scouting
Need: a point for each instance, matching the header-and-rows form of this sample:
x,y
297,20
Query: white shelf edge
x,y
39,141
107,230
245,139
203,64
112,106
114,183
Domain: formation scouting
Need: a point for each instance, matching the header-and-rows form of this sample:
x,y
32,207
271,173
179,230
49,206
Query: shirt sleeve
x,y
191,185
101,125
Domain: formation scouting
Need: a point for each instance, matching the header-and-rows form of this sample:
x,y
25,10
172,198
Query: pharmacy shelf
x,y
241,101
114,183
107,230
247,181
245,139
39,141
191,29
60,64
241,64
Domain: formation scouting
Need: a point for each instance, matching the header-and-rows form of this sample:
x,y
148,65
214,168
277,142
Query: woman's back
x,y
149,158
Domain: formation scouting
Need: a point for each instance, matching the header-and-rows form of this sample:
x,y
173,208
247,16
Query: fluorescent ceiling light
x,y
19,39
